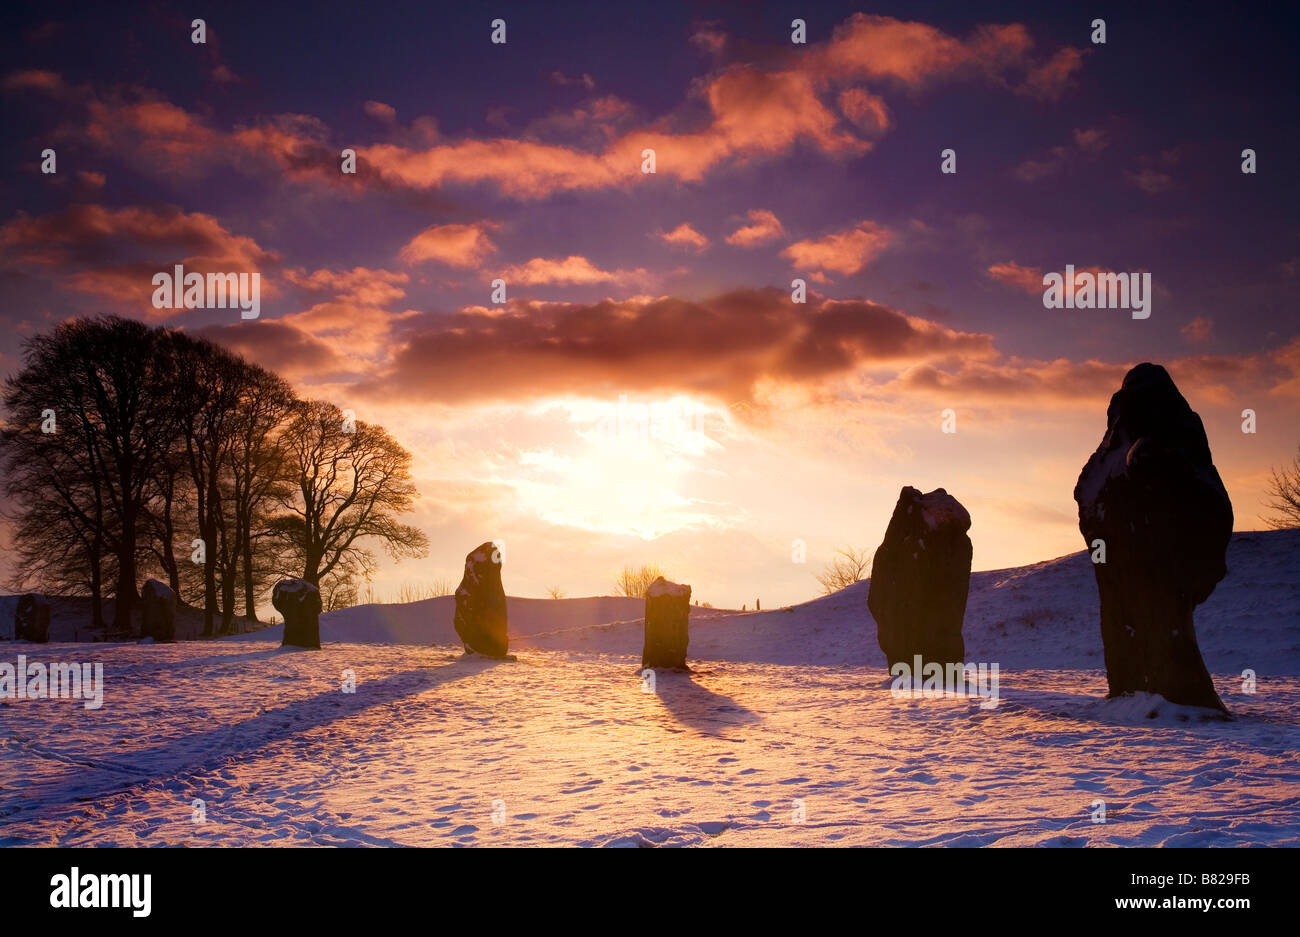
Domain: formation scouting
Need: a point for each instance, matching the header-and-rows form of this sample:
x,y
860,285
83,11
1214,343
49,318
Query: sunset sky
x,y
671,290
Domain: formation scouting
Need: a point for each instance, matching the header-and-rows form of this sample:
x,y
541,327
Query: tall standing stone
x,y
158,611
920,578
1153,498
481,603
299,602
32,618
667,619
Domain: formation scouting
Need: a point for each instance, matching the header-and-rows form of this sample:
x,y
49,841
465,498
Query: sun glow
x,y
630,468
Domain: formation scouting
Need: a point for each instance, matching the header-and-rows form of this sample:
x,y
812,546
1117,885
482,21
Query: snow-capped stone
x,y
920,578
662,586
1151,493
299,602
157,611
940,509
667,620
481,603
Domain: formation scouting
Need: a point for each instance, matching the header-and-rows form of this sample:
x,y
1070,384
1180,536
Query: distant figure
x,y
481,603
667,619
758,606
920,579
299,602
1157,520
742,607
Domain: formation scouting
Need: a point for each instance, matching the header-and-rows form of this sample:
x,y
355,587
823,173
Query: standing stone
x,y
667,616
32,619
481,603
920,578
158,611
299,602
1152,495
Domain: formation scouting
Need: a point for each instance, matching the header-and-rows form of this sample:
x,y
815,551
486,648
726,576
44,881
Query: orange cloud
x,y
1029,279
87,232
33,79
83,246
519,168
722,346
286,349
1218,379
297,143
384,113
685,236
866,110
844,252
751,112
1150,181
1047,81
456,245
764,226
572,270
1198,331
912,53
360,284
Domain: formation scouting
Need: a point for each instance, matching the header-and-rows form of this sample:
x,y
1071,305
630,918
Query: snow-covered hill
x,y
787,734
1043,616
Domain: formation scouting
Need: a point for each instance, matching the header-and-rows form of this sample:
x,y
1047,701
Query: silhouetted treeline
x,y
130,450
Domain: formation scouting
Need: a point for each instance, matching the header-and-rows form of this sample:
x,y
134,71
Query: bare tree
x,y
634,582
339,588
170,498
121,441
848,566
57,502
256,466
350,480
210,401
554,592
111,386
1284,496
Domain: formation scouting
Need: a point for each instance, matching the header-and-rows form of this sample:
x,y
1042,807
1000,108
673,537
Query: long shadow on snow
x,y
698,707
203,751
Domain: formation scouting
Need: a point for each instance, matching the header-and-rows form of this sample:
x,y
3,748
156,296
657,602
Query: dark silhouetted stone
x,y
667,616
920,578
1152,495
32,618
158,611
481,603
299,602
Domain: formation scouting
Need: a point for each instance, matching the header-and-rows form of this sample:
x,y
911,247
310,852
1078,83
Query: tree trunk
x,y
96,593
228,598
250,597
125,597
209,548
209,579
169,547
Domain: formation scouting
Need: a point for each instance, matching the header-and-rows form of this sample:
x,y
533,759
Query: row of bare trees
x,y
129,450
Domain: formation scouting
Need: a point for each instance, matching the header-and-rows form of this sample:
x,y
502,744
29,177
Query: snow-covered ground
x,y
786,735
